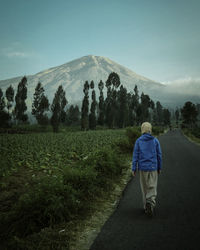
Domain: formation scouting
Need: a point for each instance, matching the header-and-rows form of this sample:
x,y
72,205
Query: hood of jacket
x,y
146,137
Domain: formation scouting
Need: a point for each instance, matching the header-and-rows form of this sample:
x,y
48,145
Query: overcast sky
x,y
159,39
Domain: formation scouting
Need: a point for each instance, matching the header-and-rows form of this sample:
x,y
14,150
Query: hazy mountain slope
x,y
72,76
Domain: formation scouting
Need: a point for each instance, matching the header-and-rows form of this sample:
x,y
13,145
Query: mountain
x,y
72,76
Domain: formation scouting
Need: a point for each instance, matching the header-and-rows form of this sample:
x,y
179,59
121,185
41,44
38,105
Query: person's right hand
x,y
159,171
133,173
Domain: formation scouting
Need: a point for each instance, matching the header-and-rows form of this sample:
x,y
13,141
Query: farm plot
x,y
47,179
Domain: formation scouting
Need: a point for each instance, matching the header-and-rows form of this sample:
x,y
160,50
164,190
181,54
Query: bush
x,y
60,197
196,132
47,203
83,180
157,130
132,134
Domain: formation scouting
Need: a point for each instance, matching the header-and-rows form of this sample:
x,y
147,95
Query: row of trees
x,y
18,113
40,107
118,109
190,113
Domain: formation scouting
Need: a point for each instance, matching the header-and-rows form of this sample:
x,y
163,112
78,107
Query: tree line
x,y
118,109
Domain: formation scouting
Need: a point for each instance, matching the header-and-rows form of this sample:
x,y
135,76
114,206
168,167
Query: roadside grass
x,y
193,135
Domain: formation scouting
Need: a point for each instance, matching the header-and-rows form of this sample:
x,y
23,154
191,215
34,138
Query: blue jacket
x,y
147,154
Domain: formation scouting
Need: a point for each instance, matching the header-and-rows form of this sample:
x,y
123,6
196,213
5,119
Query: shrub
x,y
196,132
47,203
83,180
132,134
157,130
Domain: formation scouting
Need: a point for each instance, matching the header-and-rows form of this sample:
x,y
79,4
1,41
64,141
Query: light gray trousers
x,y
148,183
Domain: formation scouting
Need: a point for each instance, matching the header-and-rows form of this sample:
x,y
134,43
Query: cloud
x,y
16,50
181,81
187,85
18,54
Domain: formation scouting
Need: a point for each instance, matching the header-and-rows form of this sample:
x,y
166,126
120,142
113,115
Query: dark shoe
x,y
149,210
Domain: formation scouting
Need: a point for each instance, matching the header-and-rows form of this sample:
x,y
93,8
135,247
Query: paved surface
x,y
176,224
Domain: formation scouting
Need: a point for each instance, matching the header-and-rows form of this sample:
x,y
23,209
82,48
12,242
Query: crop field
x,y
47,151
47,179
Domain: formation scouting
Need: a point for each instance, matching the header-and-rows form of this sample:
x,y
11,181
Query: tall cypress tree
x,y
177,114
145,105
189,114
92,115
9,97
101,104
112,84
2,101
40,105
85,107
20,100
159,113
122,107
57,108
131,111
4,116
73,115
166,117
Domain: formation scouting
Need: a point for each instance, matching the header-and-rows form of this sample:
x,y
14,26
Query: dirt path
x,y
176,224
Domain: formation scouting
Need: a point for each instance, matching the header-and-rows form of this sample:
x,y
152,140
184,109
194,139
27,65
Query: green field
x,y
48,151
48,179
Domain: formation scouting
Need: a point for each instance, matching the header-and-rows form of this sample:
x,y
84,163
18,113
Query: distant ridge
x,y
73,74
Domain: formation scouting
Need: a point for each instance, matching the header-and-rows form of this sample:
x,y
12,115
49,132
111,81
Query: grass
x,y
193,135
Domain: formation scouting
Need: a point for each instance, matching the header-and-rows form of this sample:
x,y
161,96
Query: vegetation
x,y
189,114
58,108
85,108
40,105
51,179
119,109
20,100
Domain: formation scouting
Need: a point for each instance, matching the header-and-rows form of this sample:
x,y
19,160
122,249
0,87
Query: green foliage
x,y
73,116
20,98
53,180
57,108
9,97
159,114
166,117
193,132
112,83
101,104
145,105
127,144
92,116
85,108
156,130
189,114
133,133
40,105
123,107
196,132
4,116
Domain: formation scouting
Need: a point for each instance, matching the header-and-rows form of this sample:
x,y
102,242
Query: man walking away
x,y
147,158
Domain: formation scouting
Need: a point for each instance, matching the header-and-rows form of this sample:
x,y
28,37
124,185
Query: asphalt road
x,y
176,224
